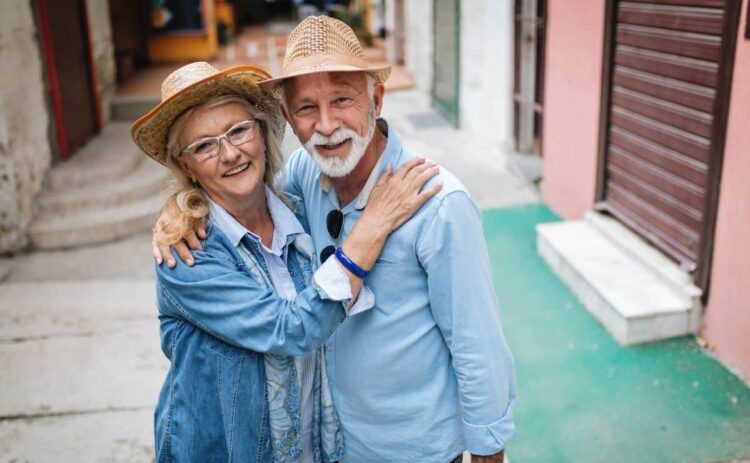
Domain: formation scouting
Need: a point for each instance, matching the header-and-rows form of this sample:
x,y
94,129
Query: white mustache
x,y
339,136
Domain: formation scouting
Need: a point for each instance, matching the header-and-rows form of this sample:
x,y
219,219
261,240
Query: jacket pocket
x,y
227,350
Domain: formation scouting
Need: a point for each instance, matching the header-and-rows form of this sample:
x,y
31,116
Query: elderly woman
x,y
243,327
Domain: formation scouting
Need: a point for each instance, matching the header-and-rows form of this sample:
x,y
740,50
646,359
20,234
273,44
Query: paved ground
x,y
584,398
79,344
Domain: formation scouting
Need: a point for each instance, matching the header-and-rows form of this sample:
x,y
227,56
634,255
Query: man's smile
x,y
333,146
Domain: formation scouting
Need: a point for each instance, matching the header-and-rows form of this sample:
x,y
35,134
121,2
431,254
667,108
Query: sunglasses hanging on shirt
x,y
334,223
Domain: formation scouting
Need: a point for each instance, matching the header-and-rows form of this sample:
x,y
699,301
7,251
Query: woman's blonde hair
x,y
190,197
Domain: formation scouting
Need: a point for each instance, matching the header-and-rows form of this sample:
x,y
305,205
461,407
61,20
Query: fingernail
x,y
171,263
159,260
189,262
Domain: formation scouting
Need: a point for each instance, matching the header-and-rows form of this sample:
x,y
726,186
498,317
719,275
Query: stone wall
x,y
103,53
24,122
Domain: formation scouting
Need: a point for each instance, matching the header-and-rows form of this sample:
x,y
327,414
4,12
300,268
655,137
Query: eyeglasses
x,y
208,147
334,222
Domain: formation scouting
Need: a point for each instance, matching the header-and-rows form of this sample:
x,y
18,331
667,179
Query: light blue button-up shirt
x,y
427,373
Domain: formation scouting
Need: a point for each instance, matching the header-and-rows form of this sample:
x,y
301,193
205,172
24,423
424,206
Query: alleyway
x,y
621,272
79,336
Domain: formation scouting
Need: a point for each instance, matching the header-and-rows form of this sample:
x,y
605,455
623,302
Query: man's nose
x,y
327,122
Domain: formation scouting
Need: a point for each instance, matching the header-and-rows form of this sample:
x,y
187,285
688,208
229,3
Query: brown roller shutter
x,y
666,85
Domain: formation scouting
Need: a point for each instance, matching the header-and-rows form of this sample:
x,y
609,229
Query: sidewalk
x,y
584,398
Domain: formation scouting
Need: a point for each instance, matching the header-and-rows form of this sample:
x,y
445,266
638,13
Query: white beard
x,y
342,166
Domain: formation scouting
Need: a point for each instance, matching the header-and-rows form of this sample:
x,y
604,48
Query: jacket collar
x,y
286,226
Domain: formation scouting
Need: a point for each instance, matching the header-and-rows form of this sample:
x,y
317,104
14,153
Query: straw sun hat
x,y
324,44
194,84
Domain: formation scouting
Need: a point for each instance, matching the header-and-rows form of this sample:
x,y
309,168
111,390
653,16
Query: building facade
x,y
647,109
55,90
462,53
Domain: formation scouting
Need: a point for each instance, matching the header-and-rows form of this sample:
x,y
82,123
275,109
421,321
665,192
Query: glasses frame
x,y
218,139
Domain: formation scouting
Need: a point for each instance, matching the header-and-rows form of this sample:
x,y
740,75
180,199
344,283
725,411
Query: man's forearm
x,y
496,458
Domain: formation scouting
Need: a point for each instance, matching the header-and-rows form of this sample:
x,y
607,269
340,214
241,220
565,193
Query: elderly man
x,y
427,373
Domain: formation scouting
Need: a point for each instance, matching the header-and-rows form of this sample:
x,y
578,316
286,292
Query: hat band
x,y
300,65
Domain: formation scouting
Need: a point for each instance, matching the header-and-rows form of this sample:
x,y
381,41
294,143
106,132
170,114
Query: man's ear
x,y
285,113
377,97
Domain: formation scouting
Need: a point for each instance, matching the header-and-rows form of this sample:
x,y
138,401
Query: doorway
x,y
446,62
528,74
64,31
667,79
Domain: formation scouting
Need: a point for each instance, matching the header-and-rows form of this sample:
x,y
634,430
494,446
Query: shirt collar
x,y
391,155
285,224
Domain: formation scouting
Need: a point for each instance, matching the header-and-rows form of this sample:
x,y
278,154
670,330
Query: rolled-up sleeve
x,y
464,303
331,279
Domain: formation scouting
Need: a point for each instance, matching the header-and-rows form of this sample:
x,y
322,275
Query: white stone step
x,y
629,298
106,158
94,226
145,180
665,268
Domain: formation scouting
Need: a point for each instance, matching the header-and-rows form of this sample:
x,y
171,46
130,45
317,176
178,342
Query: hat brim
x,y
380,74
150,132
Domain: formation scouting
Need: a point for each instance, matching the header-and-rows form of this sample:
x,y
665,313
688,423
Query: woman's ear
x,y
186,169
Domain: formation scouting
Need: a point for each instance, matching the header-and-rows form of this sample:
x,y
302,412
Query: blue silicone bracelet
x,y
349,264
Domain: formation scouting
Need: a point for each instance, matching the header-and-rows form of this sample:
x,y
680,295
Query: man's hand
x,y
496,458
163,227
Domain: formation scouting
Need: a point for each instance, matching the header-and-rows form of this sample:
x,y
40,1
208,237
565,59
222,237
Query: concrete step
x,y
130,108
78,374
665,268
628,297
103,160
77,308
145,180
86,227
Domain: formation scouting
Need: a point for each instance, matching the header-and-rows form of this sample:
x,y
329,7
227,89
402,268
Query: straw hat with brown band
x,y
324,44
194,84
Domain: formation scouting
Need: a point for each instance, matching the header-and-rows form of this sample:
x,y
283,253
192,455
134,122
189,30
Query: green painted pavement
x,y
582,397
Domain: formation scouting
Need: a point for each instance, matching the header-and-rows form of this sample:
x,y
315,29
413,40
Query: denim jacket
x,y
218,319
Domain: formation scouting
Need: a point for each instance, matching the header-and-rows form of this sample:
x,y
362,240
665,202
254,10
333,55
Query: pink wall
x,y
575,35
727,318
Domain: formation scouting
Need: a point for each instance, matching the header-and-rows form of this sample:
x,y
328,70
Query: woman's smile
x,y
237,170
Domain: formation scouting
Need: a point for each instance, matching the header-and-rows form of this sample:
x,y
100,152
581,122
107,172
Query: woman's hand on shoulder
x,y
398,195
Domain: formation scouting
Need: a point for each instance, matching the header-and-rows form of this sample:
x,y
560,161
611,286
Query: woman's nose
x,y
228,151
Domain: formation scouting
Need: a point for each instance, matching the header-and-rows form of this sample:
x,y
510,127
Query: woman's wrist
x,y
374,227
